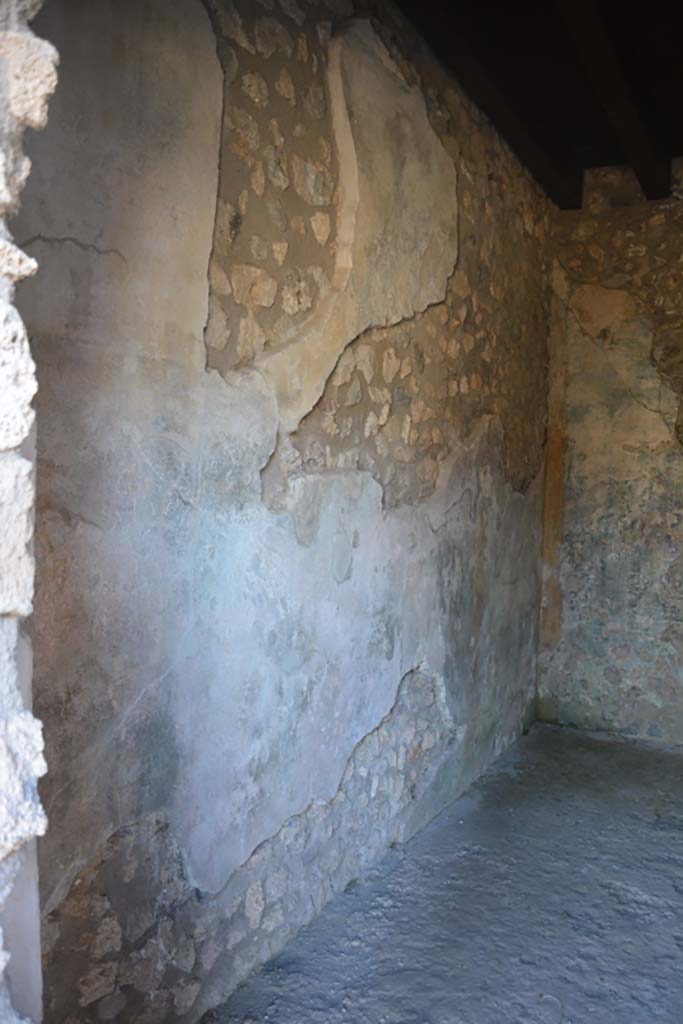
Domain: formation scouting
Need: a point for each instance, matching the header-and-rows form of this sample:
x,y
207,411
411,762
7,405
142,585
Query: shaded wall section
x,y
291,352
612,638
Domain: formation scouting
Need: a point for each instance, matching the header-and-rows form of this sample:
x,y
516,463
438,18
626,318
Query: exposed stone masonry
x,y
274,238
133,950
27,77
300,591
613,603
401,397
323,621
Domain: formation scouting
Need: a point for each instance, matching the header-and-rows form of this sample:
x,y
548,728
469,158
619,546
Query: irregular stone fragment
x,y
365,361
182,952
254,904
276,168
107,937
302,48
251,339
218,278
272,37
324,32
314,101
461,285
285,87
312,181
600,309
258,178
278,137
246,134
218,330
228,221
229,63
98,982
143,969
390,365
111,1007
354,392
17,379
318,275
252,286
276,213
345,367
297,293
185,995
273,919
292,9
328,424
371,425
298,224
280,251
230,23
254,86
320,222
259,248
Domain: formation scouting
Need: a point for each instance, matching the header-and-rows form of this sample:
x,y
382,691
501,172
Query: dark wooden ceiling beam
x,y
561,180
439,21
601,65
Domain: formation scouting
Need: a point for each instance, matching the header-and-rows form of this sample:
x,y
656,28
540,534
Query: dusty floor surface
x,y
552,893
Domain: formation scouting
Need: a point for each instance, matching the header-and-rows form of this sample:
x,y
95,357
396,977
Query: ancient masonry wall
x,y
289,547
27,77
612,636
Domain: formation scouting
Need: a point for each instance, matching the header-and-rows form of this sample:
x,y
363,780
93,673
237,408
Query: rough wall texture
x,y
27,77
288,605
613,603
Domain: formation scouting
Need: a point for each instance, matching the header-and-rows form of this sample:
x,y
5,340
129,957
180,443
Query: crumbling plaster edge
x,y
29,78
302,341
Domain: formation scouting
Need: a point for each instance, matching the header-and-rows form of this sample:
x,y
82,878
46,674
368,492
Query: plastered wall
x,y
27,77
612,641
291,346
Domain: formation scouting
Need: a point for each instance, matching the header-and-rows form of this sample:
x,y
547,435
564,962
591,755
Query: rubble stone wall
x,y
612,640
291,346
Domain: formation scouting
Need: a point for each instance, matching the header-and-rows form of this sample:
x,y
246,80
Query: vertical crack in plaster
x,y
211,15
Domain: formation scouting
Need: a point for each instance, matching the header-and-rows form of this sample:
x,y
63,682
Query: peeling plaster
x,y
217,644
611,655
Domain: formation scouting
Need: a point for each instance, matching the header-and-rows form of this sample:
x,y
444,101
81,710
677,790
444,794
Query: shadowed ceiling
x,y
570,84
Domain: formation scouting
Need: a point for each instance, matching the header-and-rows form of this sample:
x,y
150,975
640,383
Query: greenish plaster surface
x,y
618,664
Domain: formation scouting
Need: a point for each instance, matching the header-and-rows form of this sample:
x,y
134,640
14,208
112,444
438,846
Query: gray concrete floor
x,y
551,893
